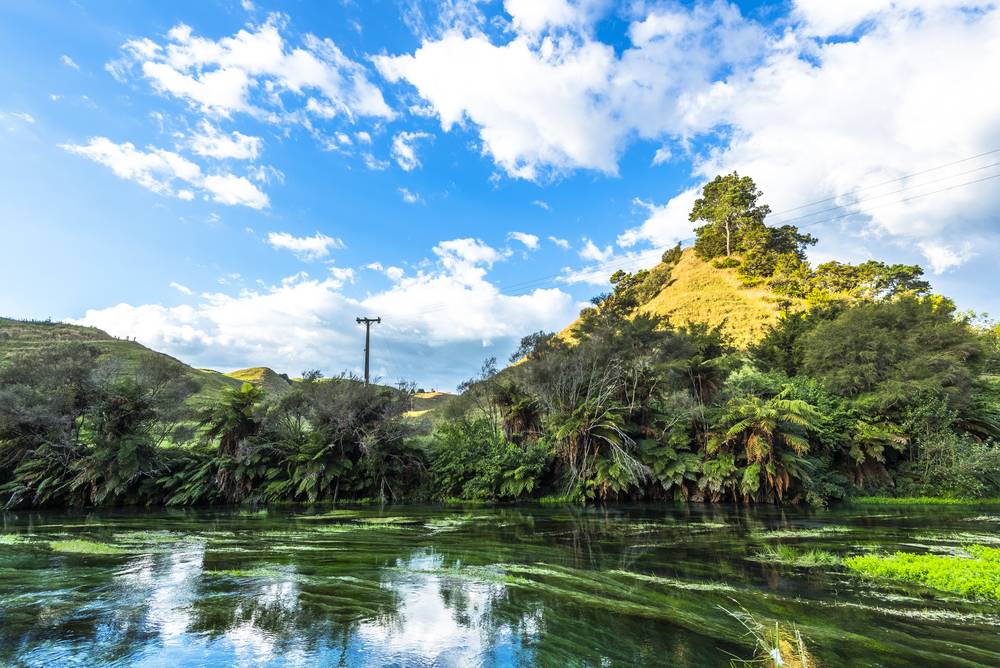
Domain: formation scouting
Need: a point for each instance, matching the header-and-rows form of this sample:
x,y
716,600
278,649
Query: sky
x,y
234,182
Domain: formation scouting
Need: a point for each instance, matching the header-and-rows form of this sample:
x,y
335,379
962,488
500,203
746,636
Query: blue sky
x,y
234,182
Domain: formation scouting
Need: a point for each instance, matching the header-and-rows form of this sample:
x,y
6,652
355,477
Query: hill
x,y
272,382
17,335
698,292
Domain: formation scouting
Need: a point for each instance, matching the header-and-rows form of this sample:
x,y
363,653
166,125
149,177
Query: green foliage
x,y
974,578
470,461
894,354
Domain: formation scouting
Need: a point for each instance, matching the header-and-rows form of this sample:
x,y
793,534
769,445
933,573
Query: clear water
x,y
433,586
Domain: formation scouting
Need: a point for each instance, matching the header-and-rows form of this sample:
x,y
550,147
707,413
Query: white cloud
x,y
535,16
209,142
562,243
395,274
590,251
158,169
181,288
662,155
943,257
664,225
530,241
554,103
247,5
315,247
542,204
409,197
598,273
68,62
232,189
19,115
363,137
254,72
373,163
435,323
404,149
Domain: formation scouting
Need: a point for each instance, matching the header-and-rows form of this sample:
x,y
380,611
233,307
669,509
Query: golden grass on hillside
x,y
700,293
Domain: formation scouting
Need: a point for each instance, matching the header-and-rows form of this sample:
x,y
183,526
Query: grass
x,y
790,556
921,501
699,292
11,539
269,380
978,577
84,547
775,645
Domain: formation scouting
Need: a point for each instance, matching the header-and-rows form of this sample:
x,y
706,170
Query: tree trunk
x,y
728,249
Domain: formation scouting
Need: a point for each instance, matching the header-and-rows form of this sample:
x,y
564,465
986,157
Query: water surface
x,y
434,586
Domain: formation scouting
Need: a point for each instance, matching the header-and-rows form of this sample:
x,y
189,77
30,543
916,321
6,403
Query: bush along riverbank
x,y
866,383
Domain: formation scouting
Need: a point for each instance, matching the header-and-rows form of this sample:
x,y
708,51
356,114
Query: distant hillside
x,y
272,382
16,335
699,292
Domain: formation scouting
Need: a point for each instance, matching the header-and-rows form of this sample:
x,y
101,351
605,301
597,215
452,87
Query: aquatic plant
x,y
921,501
84,547
790,556
973,578
11,539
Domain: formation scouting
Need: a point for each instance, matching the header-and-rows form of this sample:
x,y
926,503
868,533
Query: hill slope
x,y
698,292
16,335
272,382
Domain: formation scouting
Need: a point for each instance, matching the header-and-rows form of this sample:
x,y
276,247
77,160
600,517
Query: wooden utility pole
x,y
368,339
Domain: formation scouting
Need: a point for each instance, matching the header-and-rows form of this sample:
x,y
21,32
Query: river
x,y
479,586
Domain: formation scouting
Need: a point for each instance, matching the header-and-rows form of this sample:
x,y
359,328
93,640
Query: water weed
x,y
84,547
972,578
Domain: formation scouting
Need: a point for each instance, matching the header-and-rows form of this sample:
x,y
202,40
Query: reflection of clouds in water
x,y
167,585
254,646
430,630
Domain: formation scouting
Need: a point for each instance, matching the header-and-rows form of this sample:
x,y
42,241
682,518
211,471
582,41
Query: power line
x,y
884,183
894,192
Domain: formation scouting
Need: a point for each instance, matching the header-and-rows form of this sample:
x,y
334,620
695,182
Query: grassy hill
x,y
273,383
700,292
17,335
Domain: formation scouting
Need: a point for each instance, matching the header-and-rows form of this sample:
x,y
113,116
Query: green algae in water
x,y
84,547
971,577
11,539
811,532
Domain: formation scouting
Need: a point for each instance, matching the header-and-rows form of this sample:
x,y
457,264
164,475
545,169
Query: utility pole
x,y
368,339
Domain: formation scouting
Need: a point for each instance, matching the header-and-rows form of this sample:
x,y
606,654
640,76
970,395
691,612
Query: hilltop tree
x,y
728,207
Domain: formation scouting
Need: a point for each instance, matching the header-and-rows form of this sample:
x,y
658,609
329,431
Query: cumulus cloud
x,y
404,149
562,243
591,251
409,197
210,142
435,323
306,249
839,96
183,289
530,241
547,104
68,62
254,72
665,225
542,204
159,170
943,257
